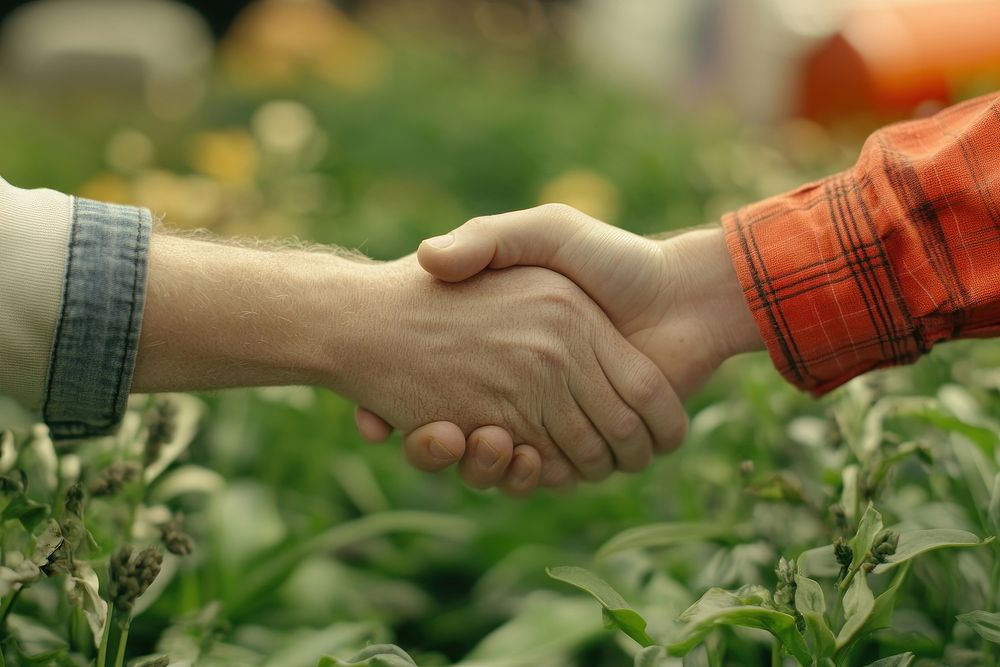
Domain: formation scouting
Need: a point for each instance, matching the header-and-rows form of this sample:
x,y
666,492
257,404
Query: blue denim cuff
x,y
97,335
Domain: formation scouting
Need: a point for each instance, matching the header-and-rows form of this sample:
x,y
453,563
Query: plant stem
x,y
842,587
8,604
123,637
991,603
115,636
848,578
102,651
775,652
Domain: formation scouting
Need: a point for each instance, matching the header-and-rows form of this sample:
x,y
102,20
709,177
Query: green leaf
x,y
912,543
993,514
617,612
779,487
270,569
376,655
858,606
718,607
33,637
986,624
811,603
868,528
651,656
977,471
29,512
662,535
809,595
818,562
715,599
299,648
886,601
850,477
899,660
547,628
984,438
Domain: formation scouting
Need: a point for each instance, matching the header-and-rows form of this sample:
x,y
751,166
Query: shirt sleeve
x,y
73,277
873,266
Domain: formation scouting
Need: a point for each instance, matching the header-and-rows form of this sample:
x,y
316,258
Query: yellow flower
x,y
584,190
229,156
106,186
276,41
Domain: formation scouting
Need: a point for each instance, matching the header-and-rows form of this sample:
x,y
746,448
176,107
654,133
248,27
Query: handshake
x,y
538,347
532,348
561,349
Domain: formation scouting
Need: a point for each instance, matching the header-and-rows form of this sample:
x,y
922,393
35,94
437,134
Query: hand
x,y
523,348
678,300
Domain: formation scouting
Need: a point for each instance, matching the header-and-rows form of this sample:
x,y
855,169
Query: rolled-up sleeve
x,y
873,266
72,287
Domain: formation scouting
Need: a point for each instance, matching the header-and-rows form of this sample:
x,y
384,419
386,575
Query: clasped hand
x,y
563,372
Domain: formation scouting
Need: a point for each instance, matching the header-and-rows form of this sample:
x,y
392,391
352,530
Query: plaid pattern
x,y
873,266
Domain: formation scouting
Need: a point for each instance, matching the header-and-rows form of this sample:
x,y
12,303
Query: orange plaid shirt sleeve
x,y
873,266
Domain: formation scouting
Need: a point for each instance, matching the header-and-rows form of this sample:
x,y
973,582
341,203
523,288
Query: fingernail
x,y
442,241
486,454
439,451
522,470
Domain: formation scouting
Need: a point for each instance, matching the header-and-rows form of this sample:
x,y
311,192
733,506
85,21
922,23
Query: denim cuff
x,y
97,335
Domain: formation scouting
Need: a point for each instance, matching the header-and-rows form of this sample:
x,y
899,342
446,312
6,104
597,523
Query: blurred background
x,y
373,124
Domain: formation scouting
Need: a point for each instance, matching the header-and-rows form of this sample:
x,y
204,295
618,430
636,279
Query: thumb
x,y
533,237
605,261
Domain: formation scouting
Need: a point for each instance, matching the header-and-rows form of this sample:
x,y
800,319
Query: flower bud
x,y
130,576
175,539
114,479
784,594
74,500
842,552
162,424
884,545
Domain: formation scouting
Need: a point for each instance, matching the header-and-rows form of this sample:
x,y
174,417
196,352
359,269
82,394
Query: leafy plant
x,y
830,602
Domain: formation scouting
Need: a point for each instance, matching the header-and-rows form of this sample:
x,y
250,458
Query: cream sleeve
x,y
34,233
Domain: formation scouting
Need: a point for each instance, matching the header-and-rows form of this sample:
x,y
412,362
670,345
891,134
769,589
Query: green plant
x,y
65,513
829,603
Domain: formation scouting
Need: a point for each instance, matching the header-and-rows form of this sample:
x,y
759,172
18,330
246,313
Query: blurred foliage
x,y
307,542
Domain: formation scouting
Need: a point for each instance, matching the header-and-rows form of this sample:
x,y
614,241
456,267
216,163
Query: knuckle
x,y
557,474
594,462
542,354
559,211
477,223
592,456
647,384
625,426
563,301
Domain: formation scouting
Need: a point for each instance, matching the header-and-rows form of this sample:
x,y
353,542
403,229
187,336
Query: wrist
x,y
713,292
338,299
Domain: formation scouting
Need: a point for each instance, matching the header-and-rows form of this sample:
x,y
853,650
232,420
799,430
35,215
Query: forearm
x,y
221,316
